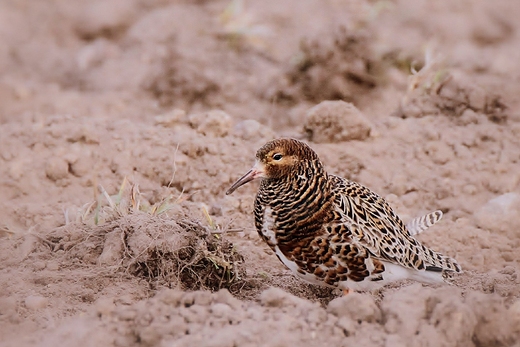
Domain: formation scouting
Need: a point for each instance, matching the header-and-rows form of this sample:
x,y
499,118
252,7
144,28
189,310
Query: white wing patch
x,y
268,226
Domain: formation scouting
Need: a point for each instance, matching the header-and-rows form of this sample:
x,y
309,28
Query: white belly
x,y
393,273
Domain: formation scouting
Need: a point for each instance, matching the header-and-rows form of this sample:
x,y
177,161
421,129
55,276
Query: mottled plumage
x,y
332,231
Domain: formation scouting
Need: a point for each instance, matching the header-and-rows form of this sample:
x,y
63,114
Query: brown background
x,y
92,92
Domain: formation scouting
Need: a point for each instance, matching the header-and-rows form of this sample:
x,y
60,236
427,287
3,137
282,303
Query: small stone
x,y
469,116
488,285
336,121
394,340
97,17
112,248
469,189
221,310
105,306
85,134
171,296
500,214
149,336
514,312
56,168
440,152
194,314
215,210
81,167
202,298
347,325
188,299
36,302
53,266
22,92
276,297
170,119
225,297
251,129
508,270
39,265
95,53
355,306
477,98
125,299
213,123
17,169
127,314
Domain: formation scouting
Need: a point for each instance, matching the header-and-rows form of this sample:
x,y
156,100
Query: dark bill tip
x,y
248,177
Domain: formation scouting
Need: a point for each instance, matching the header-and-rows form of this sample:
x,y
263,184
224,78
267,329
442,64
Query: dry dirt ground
x,y
123,122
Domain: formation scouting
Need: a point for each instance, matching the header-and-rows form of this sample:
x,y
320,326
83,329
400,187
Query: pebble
x,y
81,167
250,129
97,17
127,314
17,169
53,266
514,312
213,123
221,310
39,265
56,168
202,298
336,121
276,297
500,214
171,296
170,119
355,306
104,306
36,302
225,297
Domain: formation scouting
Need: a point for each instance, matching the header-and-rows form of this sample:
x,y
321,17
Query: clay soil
x,y
123,122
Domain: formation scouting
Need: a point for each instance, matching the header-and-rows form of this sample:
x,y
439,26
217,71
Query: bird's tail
x,y
420,224
438,262
439,268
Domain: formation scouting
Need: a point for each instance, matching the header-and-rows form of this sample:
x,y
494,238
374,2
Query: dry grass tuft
x,y
438,90
123,233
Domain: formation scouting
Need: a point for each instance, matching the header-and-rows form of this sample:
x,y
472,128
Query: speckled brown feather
x,y
333,229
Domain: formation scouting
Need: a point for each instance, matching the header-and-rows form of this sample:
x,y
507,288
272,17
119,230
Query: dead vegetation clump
x,y
436,90
339,69
129,237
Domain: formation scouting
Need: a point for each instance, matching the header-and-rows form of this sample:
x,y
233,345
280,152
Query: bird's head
x,y
278,159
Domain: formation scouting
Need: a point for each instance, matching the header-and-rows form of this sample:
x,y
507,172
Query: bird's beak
x,y
256,172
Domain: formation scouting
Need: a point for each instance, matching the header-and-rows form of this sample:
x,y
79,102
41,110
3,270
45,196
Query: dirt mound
x,y
435,90
164,252
341,67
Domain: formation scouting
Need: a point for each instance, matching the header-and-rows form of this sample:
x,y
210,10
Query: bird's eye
x,y
277,156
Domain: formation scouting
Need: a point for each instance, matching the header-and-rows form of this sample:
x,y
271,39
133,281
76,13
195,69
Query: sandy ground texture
x,y
123,122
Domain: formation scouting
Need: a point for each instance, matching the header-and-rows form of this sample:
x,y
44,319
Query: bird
x,y
335,232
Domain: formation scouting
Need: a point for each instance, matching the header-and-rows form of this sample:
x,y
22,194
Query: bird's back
x,y
375,225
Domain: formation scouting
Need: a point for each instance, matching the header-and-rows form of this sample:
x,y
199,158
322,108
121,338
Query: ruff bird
x,y
332,231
